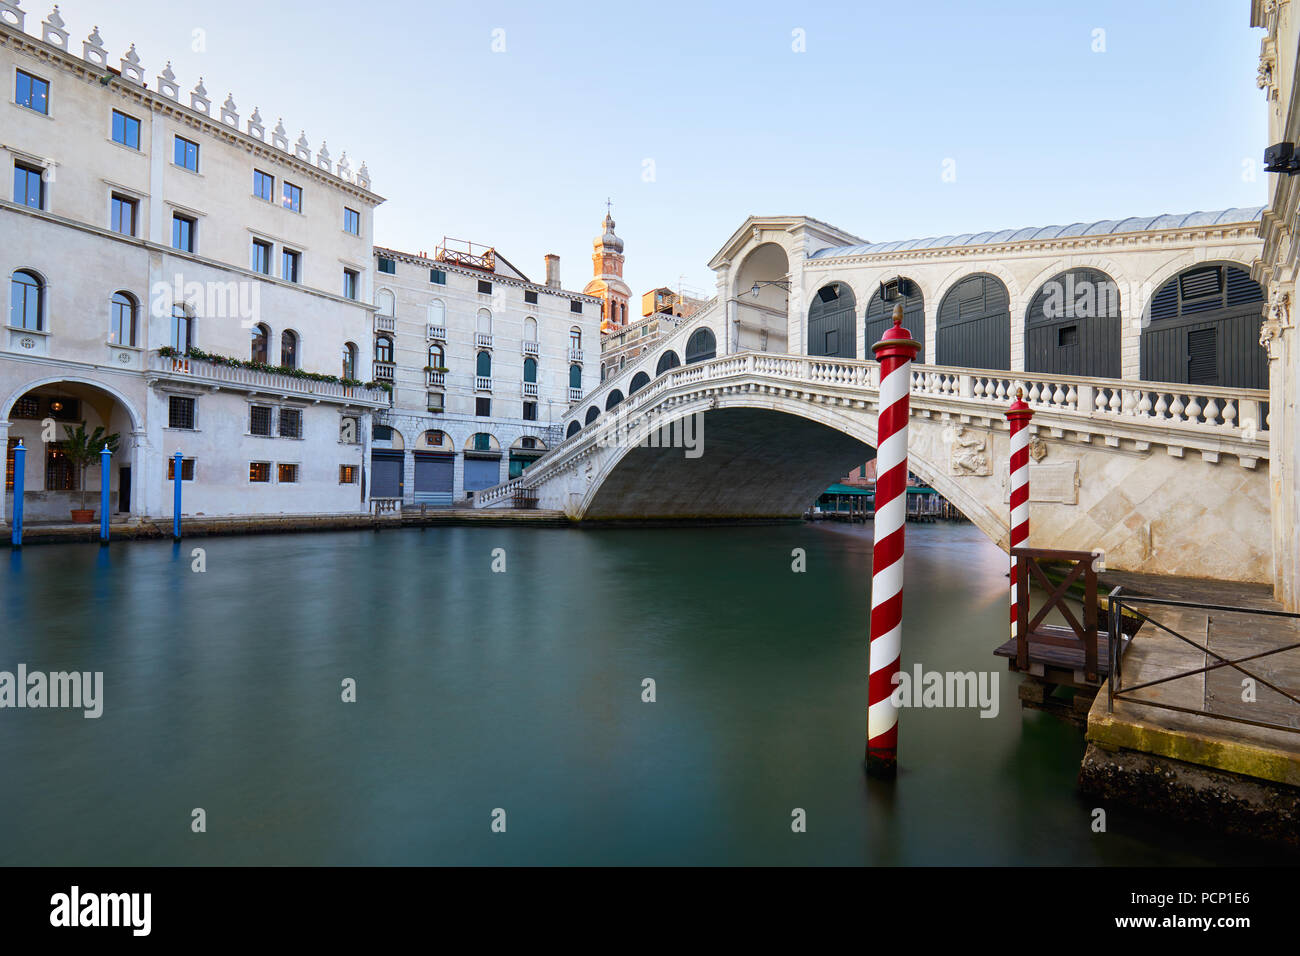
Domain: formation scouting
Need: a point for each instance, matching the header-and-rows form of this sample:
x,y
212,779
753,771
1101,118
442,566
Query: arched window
x,y
1204,330
615,396
1072,326
639,381
288,349
121,329
573,429
702,346
530,370
349,361
831,320
383,349
182,329
668,360
261,343
27,301
530,329
592,414
484,322
433,438
575,375
483,365
973,326
384,299
437,312
437,357
880,312
575,338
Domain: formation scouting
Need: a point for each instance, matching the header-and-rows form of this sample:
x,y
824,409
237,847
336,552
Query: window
x,y
123,215
183,231
530,370
60,474
386,301
530,412
262,257
383,349
351,221
575,338
29,406
27,301
29,186
259,471
484,287
186,154
483,365
381,432
260,344
126,130
292,197
530,329
180,412
575,306
351,278
33,93
287,474
182,329
482,441
291,423
291,266
347,474
437,277
387,265
9,464
349,361
263,185
288,349
259,420
483,407
437,358
187,469
121,329
575,376
436,402
530,296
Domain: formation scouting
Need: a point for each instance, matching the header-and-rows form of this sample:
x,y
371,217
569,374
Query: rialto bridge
x,y
1136,343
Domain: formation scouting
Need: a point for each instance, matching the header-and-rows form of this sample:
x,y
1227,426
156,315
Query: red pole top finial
x,y
898,315
1019,410
896,342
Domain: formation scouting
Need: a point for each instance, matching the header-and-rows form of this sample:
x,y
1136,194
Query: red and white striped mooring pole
x,y
895,351
1018,415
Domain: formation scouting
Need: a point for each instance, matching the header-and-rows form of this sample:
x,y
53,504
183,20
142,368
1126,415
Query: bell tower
x,y
607,276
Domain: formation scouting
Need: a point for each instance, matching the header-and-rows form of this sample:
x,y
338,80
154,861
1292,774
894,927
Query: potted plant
x,y
82,451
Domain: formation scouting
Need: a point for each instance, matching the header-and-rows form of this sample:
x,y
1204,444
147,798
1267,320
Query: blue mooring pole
x,y
176,498
20,459
105,460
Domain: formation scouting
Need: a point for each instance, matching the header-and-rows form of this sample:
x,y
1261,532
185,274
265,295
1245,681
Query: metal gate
x,y
1204,330
482,473
435,476
1073,326
386,479
832,318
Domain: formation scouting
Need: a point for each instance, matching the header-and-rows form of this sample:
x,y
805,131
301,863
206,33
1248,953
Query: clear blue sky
x,y
519,149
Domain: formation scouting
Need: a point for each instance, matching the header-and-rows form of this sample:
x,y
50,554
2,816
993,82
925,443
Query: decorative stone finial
x,y
199,98
92,49
52,31
130,67
167,84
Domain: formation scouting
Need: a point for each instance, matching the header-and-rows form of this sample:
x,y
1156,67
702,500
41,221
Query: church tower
x,y
607,282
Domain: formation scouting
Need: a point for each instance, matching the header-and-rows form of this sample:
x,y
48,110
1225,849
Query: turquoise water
x,y
522,691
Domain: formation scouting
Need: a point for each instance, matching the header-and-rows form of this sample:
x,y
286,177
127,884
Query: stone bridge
x,y
1164,478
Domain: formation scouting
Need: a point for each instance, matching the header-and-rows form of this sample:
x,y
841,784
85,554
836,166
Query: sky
x,y
511,123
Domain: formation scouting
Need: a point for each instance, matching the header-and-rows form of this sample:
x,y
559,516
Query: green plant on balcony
x,y
292,372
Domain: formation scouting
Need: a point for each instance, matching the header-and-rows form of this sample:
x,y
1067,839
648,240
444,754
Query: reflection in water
x,y
522,691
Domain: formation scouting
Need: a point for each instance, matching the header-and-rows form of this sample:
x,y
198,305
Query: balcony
x,y
530,389
435,378
383,371
385,323
575,394
530,348
482,383
233,378
437,333
483,340
575,355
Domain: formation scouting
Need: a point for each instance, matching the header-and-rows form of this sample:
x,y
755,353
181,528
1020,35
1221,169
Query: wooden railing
x,y
1081,635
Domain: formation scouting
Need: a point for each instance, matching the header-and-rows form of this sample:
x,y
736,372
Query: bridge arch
x,y
701,346
615,396
1072,325
575,426
639,381
832,320
592,414
788,464
973,323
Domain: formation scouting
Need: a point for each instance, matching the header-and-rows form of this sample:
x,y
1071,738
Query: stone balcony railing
x,y
435,378
437,333
530,348
575,355
482,383
483,340
530,389
384,371
203,372
575,394
385,323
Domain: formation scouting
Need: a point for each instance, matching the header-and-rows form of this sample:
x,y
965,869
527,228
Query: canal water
x,y
479,690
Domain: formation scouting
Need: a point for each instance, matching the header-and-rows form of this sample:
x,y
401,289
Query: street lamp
x,y
759,285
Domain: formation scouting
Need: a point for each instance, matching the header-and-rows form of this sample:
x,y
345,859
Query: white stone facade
x,y
151,195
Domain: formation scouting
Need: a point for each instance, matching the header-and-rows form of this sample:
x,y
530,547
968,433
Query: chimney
x,y
552,271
